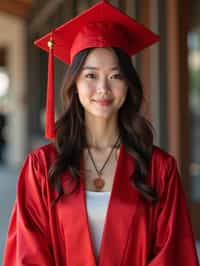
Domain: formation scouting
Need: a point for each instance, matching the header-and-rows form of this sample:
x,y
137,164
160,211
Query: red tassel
x,y
50,131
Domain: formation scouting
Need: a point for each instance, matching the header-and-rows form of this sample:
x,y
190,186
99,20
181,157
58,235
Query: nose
x,y
103,86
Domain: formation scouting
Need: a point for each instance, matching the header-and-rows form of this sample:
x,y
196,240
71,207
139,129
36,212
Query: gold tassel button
x,y
50,43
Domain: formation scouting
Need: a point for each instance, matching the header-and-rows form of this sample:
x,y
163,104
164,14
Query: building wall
x,y
13,38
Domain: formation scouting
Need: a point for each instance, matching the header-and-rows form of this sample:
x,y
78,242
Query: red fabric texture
x,y
50,101
119,29
100,34
135,233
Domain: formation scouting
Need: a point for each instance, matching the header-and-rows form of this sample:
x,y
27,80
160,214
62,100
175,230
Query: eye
x,y
90,75
117,76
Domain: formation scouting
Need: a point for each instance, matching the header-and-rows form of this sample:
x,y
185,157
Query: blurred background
x,y
170,72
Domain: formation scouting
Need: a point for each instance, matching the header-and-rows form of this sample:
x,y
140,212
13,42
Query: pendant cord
x,y
99,172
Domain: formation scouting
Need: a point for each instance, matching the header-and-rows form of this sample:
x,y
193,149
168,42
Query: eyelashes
x,y
94,76
90,75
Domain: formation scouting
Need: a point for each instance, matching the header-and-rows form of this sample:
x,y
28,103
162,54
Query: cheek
x,y
122,97
84,92
121,93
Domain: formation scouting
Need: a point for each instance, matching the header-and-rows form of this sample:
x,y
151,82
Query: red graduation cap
x,y
102,25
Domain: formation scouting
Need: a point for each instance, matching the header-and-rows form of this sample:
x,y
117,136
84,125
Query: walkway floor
x,y
8,178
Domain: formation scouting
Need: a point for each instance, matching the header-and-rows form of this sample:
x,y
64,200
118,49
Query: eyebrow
x,y
96,68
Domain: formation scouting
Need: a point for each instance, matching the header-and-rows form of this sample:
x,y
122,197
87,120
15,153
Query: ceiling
x,y
18,8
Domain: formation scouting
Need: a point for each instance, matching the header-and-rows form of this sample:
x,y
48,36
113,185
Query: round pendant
x,y
99,183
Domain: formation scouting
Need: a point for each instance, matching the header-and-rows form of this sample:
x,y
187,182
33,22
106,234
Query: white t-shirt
x,y
97,204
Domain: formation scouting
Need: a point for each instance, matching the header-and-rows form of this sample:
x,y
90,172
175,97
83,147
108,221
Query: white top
x,y
97,204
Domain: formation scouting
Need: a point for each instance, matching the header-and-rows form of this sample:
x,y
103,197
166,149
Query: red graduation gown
x,y
135,232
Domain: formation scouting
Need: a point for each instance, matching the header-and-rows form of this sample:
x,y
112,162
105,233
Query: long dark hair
x,y
136,133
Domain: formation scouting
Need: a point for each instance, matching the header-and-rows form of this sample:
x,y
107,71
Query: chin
x,y
103,115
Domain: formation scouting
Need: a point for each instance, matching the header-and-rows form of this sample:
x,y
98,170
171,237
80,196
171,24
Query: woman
x,y
103,194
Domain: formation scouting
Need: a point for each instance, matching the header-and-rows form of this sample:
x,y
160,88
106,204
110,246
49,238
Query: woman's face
x,y
100,84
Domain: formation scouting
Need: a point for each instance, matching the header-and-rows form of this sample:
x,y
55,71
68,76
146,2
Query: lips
x,y
103,102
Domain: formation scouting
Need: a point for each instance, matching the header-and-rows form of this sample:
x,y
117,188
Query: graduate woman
x,y
101,193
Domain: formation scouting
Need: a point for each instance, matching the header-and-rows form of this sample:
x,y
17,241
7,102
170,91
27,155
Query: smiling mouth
x,y
103,102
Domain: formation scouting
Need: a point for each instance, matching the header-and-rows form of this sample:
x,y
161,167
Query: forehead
x,y
101,57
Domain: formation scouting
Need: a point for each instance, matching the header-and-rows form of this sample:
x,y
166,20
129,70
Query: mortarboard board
x,y
102,25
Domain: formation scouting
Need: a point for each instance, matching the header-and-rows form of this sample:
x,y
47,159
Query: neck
x,y
101,133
